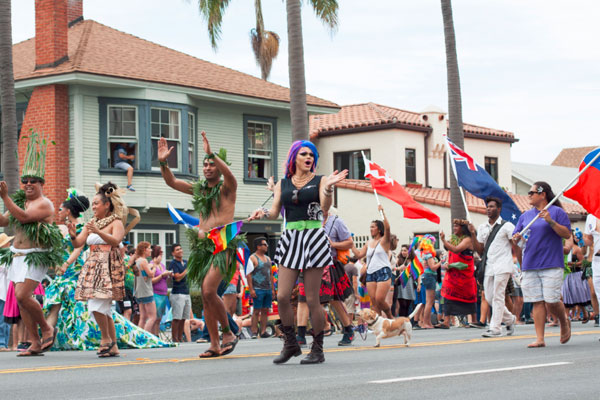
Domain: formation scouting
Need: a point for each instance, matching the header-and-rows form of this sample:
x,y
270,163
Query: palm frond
x,y
213,11
327,11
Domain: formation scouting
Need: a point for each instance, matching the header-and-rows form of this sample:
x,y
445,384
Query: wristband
x,y
163,163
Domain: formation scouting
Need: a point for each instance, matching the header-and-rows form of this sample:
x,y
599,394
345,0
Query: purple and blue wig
x,y
290,166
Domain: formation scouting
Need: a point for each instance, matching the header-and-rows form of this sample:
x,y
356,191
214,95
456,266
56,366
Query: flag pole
x,y
374,190
562,191
462,193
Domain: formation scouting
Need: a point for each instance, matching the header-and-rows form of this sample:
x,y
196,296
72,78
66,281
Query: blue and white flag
x,y
179,217
475,179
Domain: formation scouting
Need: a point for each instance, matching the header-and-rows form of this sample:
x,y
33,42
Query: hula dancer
x,y
214,201
37,244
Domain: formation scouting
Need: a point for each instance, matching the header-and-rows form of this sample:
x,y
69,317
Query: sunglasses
x,y
263,244
26,181
296,191
307,153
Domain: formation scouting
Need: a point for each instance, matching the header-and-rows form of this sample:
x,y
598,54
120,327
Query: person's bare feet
x,y
565,332
536,344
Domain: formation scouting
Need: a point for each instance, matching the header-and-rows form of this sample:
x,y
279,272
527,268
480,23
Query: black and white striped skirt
x,y
308,248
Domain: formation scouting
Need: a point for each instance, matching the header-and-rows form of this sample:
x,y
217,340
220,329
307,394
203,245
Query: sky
x,y
528,67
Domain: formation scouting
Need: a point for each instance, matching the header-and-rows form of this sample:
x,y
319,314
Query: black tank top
x,y
301,204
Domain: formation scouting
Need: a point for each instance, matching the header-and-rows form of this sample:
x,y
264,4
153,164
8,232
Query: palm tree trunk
x,y
456,133
298,111
10,162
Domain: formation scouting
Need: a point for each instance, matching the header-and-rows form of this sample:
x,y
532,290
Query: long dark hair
x,y
549,193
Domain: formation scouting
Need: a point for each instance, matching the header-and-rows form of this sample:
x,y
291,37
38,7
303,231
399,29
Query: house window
x,y
142,123
410,165
165,123
491,166
259,148
352,161
192,140
163,238
122,131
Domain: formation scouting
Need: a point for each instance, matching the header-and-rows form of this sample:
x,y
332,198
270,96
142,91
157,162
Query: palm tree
x,y
265,44
327,12
10,162
456,133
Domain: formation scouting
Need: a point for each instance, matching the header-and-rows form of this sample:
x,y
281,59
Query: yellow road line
x,y
147,361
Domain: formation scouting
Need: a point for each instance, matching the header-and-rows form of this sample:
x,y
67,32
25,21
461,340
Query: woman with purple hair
x,y
303,244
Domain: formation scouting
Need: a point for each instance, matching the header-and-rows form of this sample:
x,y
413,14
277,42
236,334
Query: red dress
x,y
459,285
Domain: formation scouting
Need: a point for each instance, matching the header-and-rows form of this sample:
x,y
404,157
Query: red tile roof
x,y
572,157
98,49
441,197
371,115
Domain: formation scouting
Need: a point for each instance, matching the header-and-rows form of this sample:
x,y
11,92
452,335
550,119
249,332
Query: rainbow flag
x,y
223,235
404,276
416,267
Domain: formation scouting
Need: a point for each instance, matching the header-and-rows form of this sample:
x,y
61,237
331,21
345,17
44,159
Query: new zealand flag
x,y
475,179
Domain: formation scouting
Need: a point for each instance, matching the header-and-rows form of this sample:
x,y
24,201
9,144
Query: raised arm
x,y
386,230
477,245
229,181
163,153
326,188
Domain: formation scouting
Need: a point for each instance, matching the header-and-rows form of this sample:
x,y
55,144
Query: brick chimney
x,y
74,12
50,33
48,106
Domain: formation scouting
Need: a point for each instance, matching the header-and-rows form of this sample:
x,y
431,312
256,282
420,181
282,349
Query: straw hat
x,y
4,238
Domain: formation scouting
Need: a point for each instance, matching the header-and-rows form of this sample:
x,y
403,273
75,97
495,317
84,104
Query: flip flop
x,y
535,345
30,353
230,349
49,342
441,326
209,354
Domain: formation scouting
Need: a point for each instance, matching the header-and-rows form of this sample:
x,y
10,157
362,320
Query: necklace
x,y
104,222
300,182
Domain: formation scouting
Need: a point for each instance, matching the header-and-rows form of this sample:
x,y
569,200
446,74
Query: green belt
x,y
302,225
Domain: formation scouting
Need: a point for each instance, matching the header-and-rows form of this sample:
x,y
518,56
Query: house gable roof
x,y
441,197
370,116
98,49
571,157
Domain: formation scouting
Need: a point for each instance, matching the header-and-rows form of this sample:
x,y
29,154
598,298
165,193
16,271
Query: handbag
x,y
363,277
480,273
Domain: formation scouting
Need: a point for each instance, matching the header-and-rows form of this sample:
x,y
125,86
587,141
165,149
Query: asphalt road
x,y
440,364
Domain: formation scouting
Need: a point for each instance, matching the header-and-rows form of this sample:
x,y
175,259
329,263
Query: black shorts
x,y
127,303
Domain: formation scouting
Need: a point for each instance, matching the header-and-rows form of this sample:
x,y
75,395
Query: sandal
x,y
30,353
231,346
209,354
49,342
327,332
105,348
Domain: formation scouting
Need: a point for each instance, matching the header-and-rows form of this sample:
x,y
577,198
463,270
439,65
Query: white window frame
x,y
179,140
192,142
261,156
162,240
122,139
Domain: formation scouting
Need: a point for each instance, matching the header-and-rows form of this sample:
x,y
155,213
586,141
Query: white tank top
x,y
94,238
377,259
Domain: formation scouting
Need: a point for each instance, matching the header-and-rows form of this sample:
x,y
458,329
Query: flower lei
x,y
104,222
455,240
204,197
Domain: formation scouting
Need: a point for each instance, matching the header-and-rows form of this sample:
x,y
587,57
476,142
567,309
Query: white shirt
x,y
3,283
590,229
499,255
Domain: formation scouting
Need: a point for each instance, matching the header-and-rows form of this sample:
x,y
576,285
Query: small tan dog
x,y
385,328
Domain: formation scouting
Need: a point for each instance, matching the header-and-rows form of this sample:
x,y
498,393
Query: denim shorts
x,y
381,275
161,304
231,289
145,300
123,165
429,281
263,299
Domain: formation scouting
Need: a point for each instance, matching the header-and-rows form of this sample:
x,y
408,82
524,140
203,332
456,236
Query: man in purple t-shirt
x,y
543,260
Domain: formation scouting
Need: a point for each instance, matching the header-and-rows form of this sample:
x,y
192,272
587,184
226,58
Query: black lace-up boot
x,y
290,346
316,351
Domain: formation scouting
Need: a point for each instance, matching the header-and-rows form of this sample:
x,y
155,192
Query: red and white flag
x,y
389,188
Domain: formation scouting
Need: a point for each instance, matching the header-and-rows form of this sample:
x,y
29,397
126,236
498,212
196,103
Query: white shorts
x,y
102,306
542,285
181,305
19,270
123,165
